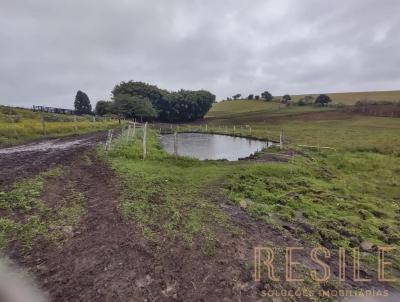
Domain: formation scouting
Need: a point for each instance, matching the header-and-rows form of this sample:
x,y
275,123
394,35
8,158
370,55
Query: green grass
x,y
350,98
25,216
378,134
167,195
222,109
344,195
24,125
344,98
230,112
328,127
347,195
347,192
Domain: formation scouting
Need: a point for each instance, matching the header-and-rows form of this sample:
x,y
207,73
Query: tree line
x,y
144,101
321,100
148,102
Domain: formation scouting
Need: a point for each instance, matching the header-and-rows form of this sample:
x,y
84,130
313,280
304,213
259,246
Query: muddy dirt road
x,y
29,159
106,258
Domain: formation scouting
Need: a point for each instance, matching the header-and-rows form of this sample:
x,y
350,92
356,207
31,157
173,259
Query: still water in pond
x,y
212,146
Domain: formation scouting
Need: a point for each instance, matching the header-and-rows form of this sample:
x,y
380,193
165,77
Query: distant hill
x,y
252,110
350,98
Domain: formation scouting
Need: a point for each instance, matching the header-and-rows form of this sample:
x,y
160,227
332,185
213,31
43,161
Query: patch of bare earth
x,y
27,160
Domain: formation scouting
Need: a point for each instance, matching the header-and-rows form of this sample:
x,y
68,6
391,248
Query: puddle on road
x,y
45,146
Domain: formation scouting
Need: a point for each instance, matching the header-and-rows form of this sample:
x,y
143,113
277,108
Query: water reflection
x,y
212,146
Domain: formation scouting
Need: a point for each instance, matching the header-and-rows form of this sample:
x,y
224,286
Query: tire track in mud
x,y
107,258
29,159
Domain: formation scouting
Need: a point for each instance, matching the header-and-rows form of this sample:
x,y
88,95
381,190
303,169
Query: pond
x,y
212,146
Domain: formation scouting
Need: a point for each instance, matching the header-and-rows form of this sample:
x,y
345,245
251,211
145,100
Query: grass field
x,y
350,98
339,197
22,125
345,196
246,109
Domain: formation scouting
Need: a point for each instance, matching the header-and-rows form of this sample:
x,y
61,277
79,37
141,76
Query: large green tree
x,y
187,105
183,105
82,103
267,96
286,99
323,100
103,107
132,106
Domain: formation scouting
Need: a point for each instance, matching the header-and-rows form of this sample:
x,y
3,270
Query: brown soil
x,y
388,110
267,118
21,164
106,258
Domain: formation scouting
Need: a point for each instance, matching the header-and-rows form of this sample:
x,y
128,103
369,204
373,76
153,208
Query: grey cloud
x,y
50,49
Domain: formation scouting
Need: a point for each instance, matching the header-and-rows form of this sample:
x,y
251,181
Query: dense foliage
x,y
323,100
82,103
133,107
286,99
103,107
160,104
267,96
187,105
306,100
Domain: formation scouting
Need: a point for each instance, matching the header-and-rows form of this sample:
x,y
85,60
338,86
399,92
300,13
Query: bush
x,y
306,100
323,100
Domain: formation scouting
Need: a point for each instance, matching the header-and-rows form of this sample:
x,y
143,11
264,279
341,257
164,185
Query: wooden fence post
x,y
175,145
144,141
75,125
43,123
128,134
281,140
206,128
109,140
234,129
108,137
11,118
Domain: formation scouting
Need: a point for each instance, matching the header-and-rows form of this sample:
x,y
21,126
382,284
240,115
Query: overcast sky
x,y
50,49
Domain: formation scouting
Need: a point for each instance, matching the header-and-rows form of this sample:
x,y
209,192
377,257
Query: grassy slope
x,y
346,98
346,196
350,98
349,195
246,109
164,195
27,125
